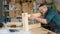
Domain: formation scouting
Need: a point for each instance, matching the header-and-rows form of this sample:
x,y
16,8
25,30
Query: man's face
x,y
43,9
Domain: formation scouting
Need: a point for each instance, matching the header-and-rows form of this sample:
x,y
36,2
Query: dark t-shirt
x,y
52,16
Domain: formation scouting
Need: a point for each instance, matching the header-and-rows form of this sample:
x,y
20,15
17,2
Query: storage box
x,y
27,7
11,14
14,14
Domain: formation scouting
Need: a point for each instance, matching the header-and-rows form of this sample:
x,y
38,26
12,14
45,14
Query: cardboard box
x,y
27,7
14,14
11,14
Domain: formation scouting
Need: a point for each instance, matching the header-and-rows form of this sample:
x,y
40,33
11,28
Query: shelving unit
x,y
5,8
1,10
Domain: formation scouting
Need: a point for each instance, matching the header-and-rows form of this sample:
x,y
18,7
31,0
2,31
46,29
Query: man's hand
x,y
32,17
42,20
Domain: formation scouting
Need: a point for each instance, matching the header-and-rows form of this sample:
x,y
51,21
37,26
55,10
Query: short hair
x,y
42,4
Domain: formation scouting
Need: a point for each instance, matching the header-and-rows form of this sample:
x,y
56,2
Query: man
x,y
49,16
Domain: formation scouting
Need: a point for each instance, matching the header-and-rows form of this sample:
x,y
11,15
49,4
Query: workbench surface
x,y
41,30
38,30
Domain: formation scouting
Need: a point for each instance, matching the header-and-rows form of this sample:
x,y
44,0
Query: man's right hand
x,y
32,17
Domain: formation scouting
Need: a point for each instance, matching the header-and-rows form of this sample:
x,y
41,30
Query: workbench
x,y
37,30
40,30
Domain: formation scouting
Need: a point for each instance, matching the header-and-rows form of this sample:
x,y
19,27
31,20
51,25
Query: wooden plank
x,y
36,14
32,26
13,23
20,23
25,22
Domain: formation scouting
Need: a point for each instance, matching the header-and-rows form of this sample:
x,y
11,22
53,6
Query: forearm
x,y
42,20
